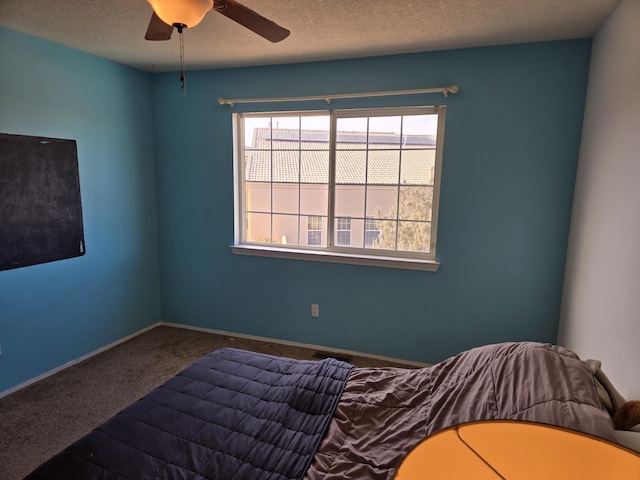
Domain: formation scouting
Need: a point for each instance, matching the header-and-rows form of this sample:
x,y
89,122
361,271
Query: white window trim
x,y
334,255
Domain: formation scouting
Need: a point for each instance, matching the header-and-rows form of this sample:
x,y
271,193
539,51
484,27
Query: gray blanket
x,y
384,413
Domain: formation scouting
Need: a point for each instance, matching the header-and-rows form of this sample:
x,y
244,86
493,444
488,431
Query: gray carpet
x,y
38,421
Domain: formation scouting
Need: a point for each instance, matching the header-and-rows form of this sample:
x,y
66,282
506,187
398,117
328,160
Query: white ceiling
x,y
320,29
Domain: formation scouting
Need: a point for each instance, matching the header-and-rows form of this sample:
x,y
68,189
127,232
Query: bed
x,y
241,415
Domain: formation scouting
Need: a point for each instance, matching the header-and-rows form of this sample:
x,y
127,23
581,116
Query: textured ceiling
x,y
320,29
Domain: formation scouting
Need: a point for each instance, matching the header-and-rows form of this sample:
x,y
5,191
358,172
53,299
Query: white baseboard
x,y
77,360
339,351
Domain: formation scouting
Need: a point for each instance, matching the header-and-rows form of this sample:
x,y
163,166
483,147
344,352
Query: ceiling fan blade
x,y
158,30
251,20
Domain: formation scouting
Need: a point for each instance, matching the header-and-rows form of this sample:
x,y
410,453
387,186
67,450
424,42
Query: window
x,y
353,185
343,231
371,232
314,230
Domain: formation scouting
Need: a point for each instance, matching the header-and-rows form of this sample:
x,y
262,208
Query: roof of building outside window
x,y
322,136
303,156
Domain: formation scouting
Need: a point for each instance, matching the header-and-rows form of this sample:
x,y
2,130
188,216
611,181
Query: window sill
x,y
335,257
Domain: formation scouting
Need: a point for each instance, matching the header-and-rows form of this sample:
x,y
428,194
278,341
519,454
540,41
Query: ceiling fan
x,y
180,14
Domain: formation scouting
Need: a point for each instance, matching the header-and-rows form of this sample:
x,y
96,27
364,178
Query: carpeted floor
x,y
38,421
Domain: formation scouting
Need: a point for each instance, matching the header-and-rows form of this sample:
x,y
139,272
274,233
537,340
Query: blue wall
x,y
511,150
53,313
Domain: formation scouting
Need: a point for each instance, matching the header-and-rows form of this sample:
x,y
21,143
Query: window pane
x,y
357,233
314,132
343,238
419,131
384,132
315,166
351,166
314,199
383,167
415,203
258,227
257,132
314,237
414,236
349,200
315,230
371,233
382,201
315,223
286,166
418,167
346,127
285,132
343,231
258,166
344,223
285,198
387,236
285,229
258,197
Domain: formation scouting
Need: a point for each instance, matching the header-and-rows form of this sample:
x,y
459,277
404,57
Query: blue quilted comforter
x,y
231,415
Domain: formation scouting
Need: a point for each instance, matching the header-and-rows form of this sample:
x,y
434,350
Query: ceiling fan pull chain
x,y
183,72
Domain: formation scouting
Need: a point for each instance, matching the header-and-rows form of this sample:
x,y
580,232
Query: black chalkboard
x,y
40,206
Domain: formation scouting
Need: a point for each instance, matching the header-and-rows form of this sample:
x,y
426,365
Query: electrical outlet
x,y
315,310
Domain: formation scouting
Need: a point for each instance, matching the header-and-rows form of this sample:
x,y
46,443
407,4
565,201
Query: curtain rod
x,y
327,98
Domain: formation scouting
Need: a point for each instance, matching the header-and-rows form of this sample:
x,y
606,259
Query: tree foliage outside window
x,y
411,232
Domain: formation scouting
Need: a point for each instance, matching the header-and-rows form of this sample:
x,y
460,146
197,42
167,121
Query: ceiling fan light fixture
x,y
181,12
